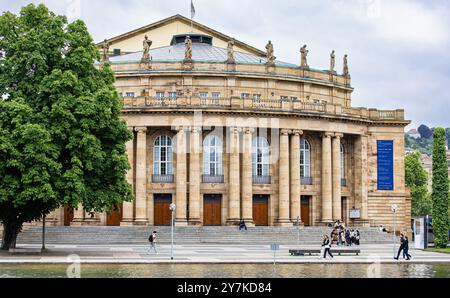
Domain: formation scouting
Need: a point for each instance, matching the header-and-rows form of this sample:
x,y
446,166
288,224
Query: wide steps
x,y
194,235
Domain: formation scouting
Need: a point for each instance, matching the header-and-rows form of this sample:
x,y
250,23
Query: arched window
x,y
261,153
163,156
342,161
212,156
305,159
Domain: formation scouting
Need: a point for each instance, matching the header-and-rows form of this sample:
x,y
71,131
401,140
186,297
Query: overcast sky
x,y
399,50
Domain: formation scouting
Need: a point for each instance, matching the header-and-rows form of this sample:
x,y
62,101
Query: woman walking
x,y
327,246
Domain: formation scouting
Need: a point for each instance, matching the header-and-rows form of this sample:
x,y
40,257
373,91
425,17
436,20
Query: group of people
x,y
343,236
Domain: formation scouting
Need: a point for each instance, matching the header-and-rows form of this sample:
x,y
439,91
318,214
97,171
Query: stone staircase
x,y
190,235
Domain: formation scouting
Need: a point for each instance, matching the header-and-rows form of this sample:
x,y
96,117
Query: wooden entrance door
x,y
261,210
115,217
305,210
212,210
68,215
162,209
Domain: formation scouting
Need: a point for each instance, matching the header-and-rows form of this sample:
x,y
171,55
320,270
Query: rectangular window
x,y
172,95
245,95
284,97
203,94
216,95
129,94
257,97
159,94
294,98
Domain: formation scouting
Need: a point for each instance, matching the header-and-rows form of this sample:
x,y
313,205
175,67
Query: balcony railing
x,y
213,179
343,182
262,180
215,102
307,180
162,179
295,106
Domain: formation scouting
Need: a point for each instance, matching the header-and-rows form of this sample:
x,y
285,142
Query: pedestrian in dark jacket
x,y
402,246
327,246
406,254
242,225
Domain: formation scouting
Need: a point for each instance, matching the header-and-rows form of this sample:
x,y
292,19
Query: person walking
x,y
406,254
402,246
153,239
242,225
327,247
357,237
348,241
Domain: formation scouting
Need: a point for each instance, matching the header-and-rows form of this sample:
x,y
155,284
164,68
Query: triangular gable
x,y
161,35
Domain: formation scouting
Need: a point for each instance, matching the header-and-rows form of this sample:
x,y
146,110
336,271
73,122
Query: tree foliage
x,y
416,179
62,141
440,190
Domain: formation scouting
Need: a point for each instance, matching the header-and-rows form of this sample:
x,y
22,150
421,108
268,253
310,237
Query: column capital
x,y
338,135
195,129
297,132
181,129
327,134
235,129
286,132
140,129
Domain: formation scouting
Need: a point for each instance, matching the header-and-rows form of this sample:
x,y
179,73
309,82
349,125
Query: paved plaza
x,y
90,254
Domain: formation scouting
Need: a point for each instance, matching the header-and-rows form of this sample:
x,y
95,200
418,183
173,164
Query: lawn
x,y
442,250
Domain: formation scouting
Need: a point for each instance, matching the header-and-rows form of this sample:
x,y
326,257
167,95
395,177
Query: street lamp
x,y
394,208
172,208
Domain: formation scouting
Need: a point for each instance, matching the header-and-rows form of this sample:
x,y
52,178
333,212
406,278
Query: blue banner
x,y
385,165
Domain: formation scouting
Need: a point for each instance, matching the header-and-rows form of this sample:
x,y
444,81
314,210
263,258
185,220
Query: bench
x,y
302,252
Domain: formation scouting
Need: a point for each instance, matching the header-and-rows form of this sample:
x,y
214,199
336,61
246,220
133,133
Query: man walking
x,y
406,254
327,247
152,239
402,246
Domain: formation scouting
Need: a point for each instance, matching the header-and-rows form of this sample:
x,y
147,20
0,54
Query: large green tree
x,y
416,179
440,190
61,137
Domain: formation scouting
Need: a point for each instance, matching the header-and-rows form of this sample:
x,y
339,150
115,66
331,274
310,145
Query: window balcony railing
x,y
215,102
262,180
343,182
307,180
213,179
160,101
162,178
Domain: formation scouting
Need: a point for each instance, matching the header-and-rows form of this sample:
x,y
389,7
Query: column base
x,y
326,223
127,223
76,223
249,223
140,222
284,223
181,223
195,222
233,222
92,222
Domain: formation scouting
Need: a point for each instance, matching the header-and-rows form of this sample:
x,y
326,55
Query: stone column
x,y
181,189
78,216
295,176
360,200
127,212
327,204
283,193
194,178
247,178
337,192
234,191
141,176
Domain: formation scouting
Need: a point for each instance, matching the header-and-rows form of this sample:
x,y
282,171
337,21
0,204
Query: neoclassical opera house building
x,y
225,131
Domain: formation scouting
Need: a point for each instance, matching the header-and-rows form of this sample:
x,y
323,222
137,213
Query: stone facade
x,y
288,145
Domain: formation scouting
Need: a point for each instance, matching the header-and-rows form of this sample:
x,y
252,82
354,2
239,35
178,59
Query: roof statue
x,y
345,71
304,54
230,52
146,45
270,57
332,61
105,49
188,49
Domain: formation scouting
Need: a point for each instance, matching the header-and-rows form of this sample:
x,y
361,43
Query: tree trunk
x,y
10,232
